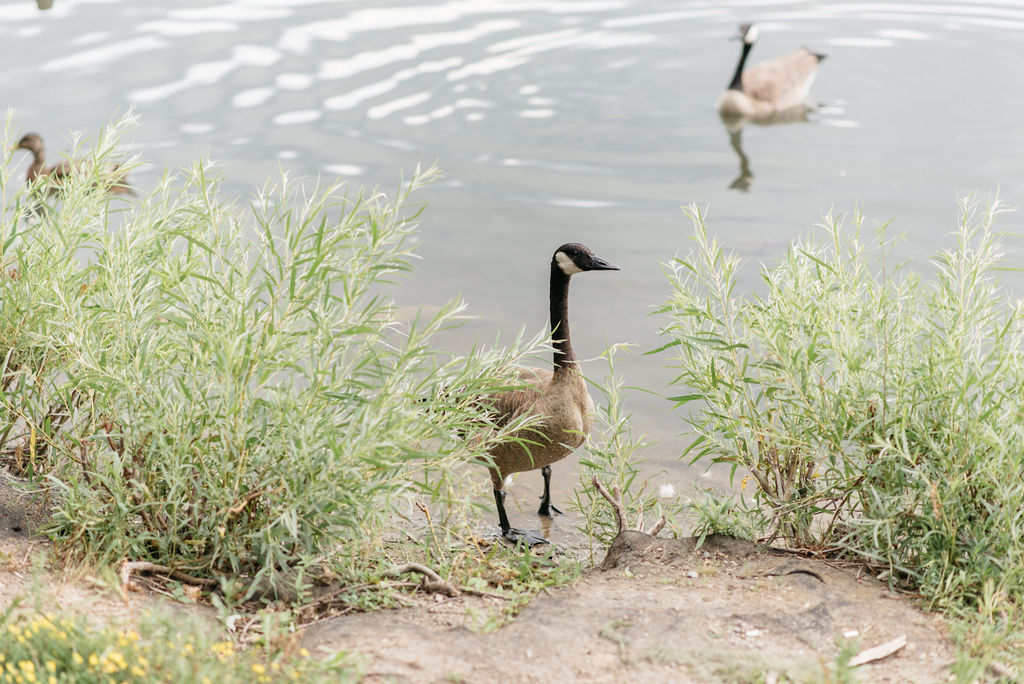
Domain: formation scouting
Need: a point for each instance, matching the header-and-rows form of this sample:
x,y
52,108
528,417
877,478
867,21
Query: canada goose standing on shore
x,y
770,87
55,173
559,395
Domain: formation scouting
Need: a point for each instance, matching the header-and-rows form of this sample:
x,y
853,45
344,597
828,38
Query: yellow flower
x,y
94,660
304,653
51,680
223,649
143,662
258,669
113,661
132,635
76,658
743,483
138,671
51,666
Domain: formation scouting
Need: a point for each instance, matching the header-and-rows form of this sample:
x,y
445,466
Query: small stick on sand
x,y
878,652
615,499
128,567
432,582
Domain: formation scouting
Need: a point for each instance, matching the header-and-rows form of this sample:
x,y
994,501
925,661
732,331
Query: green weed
x,y
230,391
878,412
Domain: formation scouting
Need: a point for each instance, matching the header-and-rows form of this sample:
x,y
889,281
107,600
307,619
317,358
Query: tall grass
x,y
878,412
227,389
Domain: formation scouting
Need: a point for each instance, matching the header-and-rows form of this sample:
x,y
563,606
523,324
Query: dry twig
x,y
1001,670
878,652
432,582
615,499
128,567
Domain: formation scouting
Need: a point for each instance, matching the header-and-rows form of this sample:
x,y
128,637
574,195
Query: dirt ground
x,y
727,613
658,612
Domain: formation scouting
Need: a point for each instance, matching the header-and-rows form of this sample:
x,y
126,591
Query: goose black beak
x,y
599,264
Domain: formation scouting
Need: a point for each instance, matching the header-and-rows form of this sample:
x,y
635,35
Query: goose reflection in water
x,y
44,4
771,92
734,127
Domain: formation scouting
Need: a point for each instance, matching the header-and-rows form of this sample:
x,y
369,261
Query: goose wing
x,y
508,405
784,81
60,170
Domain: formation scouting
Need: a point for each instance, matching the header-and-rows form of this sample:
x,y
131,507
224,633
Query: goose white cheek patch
x,y
567,265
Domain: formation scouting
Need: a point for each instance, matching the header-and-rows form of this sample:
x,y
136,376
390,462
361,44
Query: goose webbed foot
x,y
549,509
510,533
524,537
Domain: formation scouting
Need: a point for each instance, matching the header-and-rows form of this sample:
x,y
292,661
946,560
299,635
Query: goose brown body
x,y
771,87
559,396
56,173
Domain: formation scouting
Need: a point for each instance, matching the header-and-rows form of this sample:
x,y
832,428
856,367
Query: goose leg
x,y
509,532
546,507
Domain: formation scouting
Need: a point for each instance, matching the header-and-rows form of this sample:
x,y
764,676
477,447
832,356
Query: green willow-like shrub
x,y
227,390
875,411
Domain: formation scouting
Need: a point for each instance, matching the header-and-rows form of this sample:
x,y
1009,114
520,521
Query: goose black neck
x,y
564,355
38,162
737,79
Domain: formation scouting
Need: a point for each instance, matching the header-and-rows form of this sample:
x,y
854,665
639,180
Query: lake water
x,y
553,121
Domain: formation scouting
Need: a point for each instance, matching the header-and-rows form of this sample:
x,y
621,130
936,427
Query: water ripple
x,y
106,54
357,96
292,81
407,52
253,97
300,116
209,73
388,108
172,28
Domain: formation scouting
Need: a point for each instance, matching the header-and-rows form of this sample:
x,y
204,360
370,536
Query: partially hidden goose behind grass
x,y
771,87
55,174
560,396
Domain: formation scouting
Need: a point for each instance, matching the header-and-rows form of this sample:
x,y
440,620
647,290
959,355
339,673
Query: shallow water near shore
x,y
588,121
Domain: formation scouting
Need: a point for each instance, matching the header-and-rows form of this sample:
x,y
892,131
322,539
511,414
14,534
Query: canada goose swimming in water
x,y
55,173
559,395
770,87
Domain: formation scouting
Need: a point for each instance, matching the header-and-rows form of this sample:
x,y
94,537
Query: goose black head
x,y
31,142
572,257
748,33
